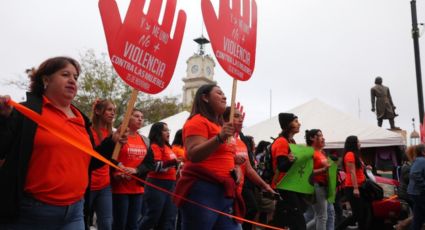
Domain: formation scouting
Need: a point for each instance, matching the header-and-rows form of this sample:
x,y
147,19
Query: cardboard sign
x,y
141,50
233,36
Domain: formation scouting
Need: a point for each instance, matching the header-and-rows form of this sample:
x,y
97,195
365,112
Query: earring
x,y
206,101
45,86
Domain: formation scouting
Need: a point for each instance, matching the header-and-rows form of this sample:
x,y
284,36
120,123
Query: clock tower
x,y
199,71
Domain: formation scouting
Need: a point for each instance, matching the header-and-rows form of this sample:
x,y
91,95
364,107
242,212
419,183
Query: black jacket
x,y
16,143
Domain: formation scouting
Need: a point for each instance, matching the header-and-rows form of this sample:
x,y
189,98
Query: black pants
x,y
289,211
251,206
361,208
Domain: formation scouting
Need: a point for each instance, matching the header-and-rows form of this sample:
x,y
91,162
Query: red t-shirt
x,y
242,150
349,158
131,155
163,154
319,161
58,172
100,178
280,147
221,161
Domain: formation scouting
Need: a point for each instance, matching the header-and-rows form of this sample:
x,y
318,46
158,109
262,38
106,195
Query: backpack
x,y
372,191
265,166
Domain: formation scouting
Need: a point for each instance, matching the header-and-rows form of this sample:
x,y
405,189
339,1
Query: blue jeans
x,y
101,203
311,221
418,211
159,211
37,215
211,195
126,211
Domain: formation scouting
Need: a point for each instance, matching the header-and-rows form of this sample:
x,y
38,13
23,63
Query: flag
x,y
332,171
297,179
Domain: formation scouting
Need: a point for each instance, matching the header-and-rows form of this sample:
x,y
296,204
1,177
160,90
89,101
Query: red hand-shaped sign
x,y
142,51
232,38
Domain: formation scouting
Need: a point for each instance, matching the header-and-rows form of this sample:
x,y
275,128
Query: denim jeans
x,y
320,208
159,211
211,195
37,215
311,221
101,203
126,211
418,211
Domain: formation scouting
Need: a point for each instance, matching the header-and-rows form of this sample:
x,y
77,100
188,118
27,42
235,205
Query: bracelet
x,y
218,139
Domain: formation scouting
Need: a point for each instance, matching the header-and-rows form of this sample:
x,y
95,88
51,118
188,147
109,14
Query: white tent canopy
x,y
335,125
174,123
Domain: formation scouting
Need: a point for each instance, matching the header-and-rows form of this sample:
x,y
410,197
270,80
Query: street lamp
x,y
414,136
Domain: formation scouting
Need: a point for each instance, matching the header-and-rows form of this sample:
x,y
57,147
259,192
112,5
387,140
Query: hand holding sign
x,y
142,51
232,38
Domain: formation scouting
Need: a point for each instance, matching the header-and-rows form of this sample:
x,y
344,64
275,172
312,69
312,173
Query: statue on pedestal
x,y
382,103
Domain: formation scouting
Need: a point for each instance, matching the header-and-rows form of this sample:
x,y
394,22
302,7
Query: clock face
x,y
209,71
194,69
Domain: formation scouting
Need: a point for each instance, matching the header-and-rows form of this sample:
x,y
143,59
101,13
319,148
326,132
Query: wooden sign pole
x,y
125,121
232,104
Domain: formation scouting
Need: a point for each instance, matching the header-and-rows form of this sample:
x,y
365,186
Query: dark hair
x,y
351,145
249,142
100,105
309,134
47,68
155,134
199,106
178,138
420,150
378,80
262,145
226,114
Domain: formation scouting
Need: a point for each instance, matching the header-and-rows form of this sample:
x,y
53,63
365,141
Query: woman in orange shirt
x,y
159,212
127,192
315,139
44,178
99,199
289,210
207,173
354,169
249,175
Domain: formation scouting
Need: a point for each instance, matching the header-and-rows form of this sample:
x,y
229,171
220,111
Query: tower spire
x,y
201,42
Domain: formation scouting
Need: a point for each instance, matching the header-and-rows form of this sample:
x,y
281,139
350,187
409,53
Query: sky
x,y
331,50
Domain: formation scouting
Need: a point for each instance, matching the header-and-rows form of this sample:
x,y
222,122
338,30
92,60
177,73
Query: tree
x,y
99,80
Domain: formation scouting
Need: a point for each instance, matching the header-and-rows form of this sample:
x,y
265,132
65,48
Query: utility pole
x,y
415,36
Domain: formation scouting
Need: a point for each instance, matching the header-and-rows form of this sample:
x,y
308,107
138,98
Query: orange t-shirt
x,y
280,147
319,161
100,178
179,151
221,161
242,150
131,155
58,171
349,158
163,154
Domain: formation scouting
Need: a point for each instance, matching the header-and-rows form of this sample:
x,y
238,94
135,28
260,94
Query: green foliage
x,y
99,81
155,109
